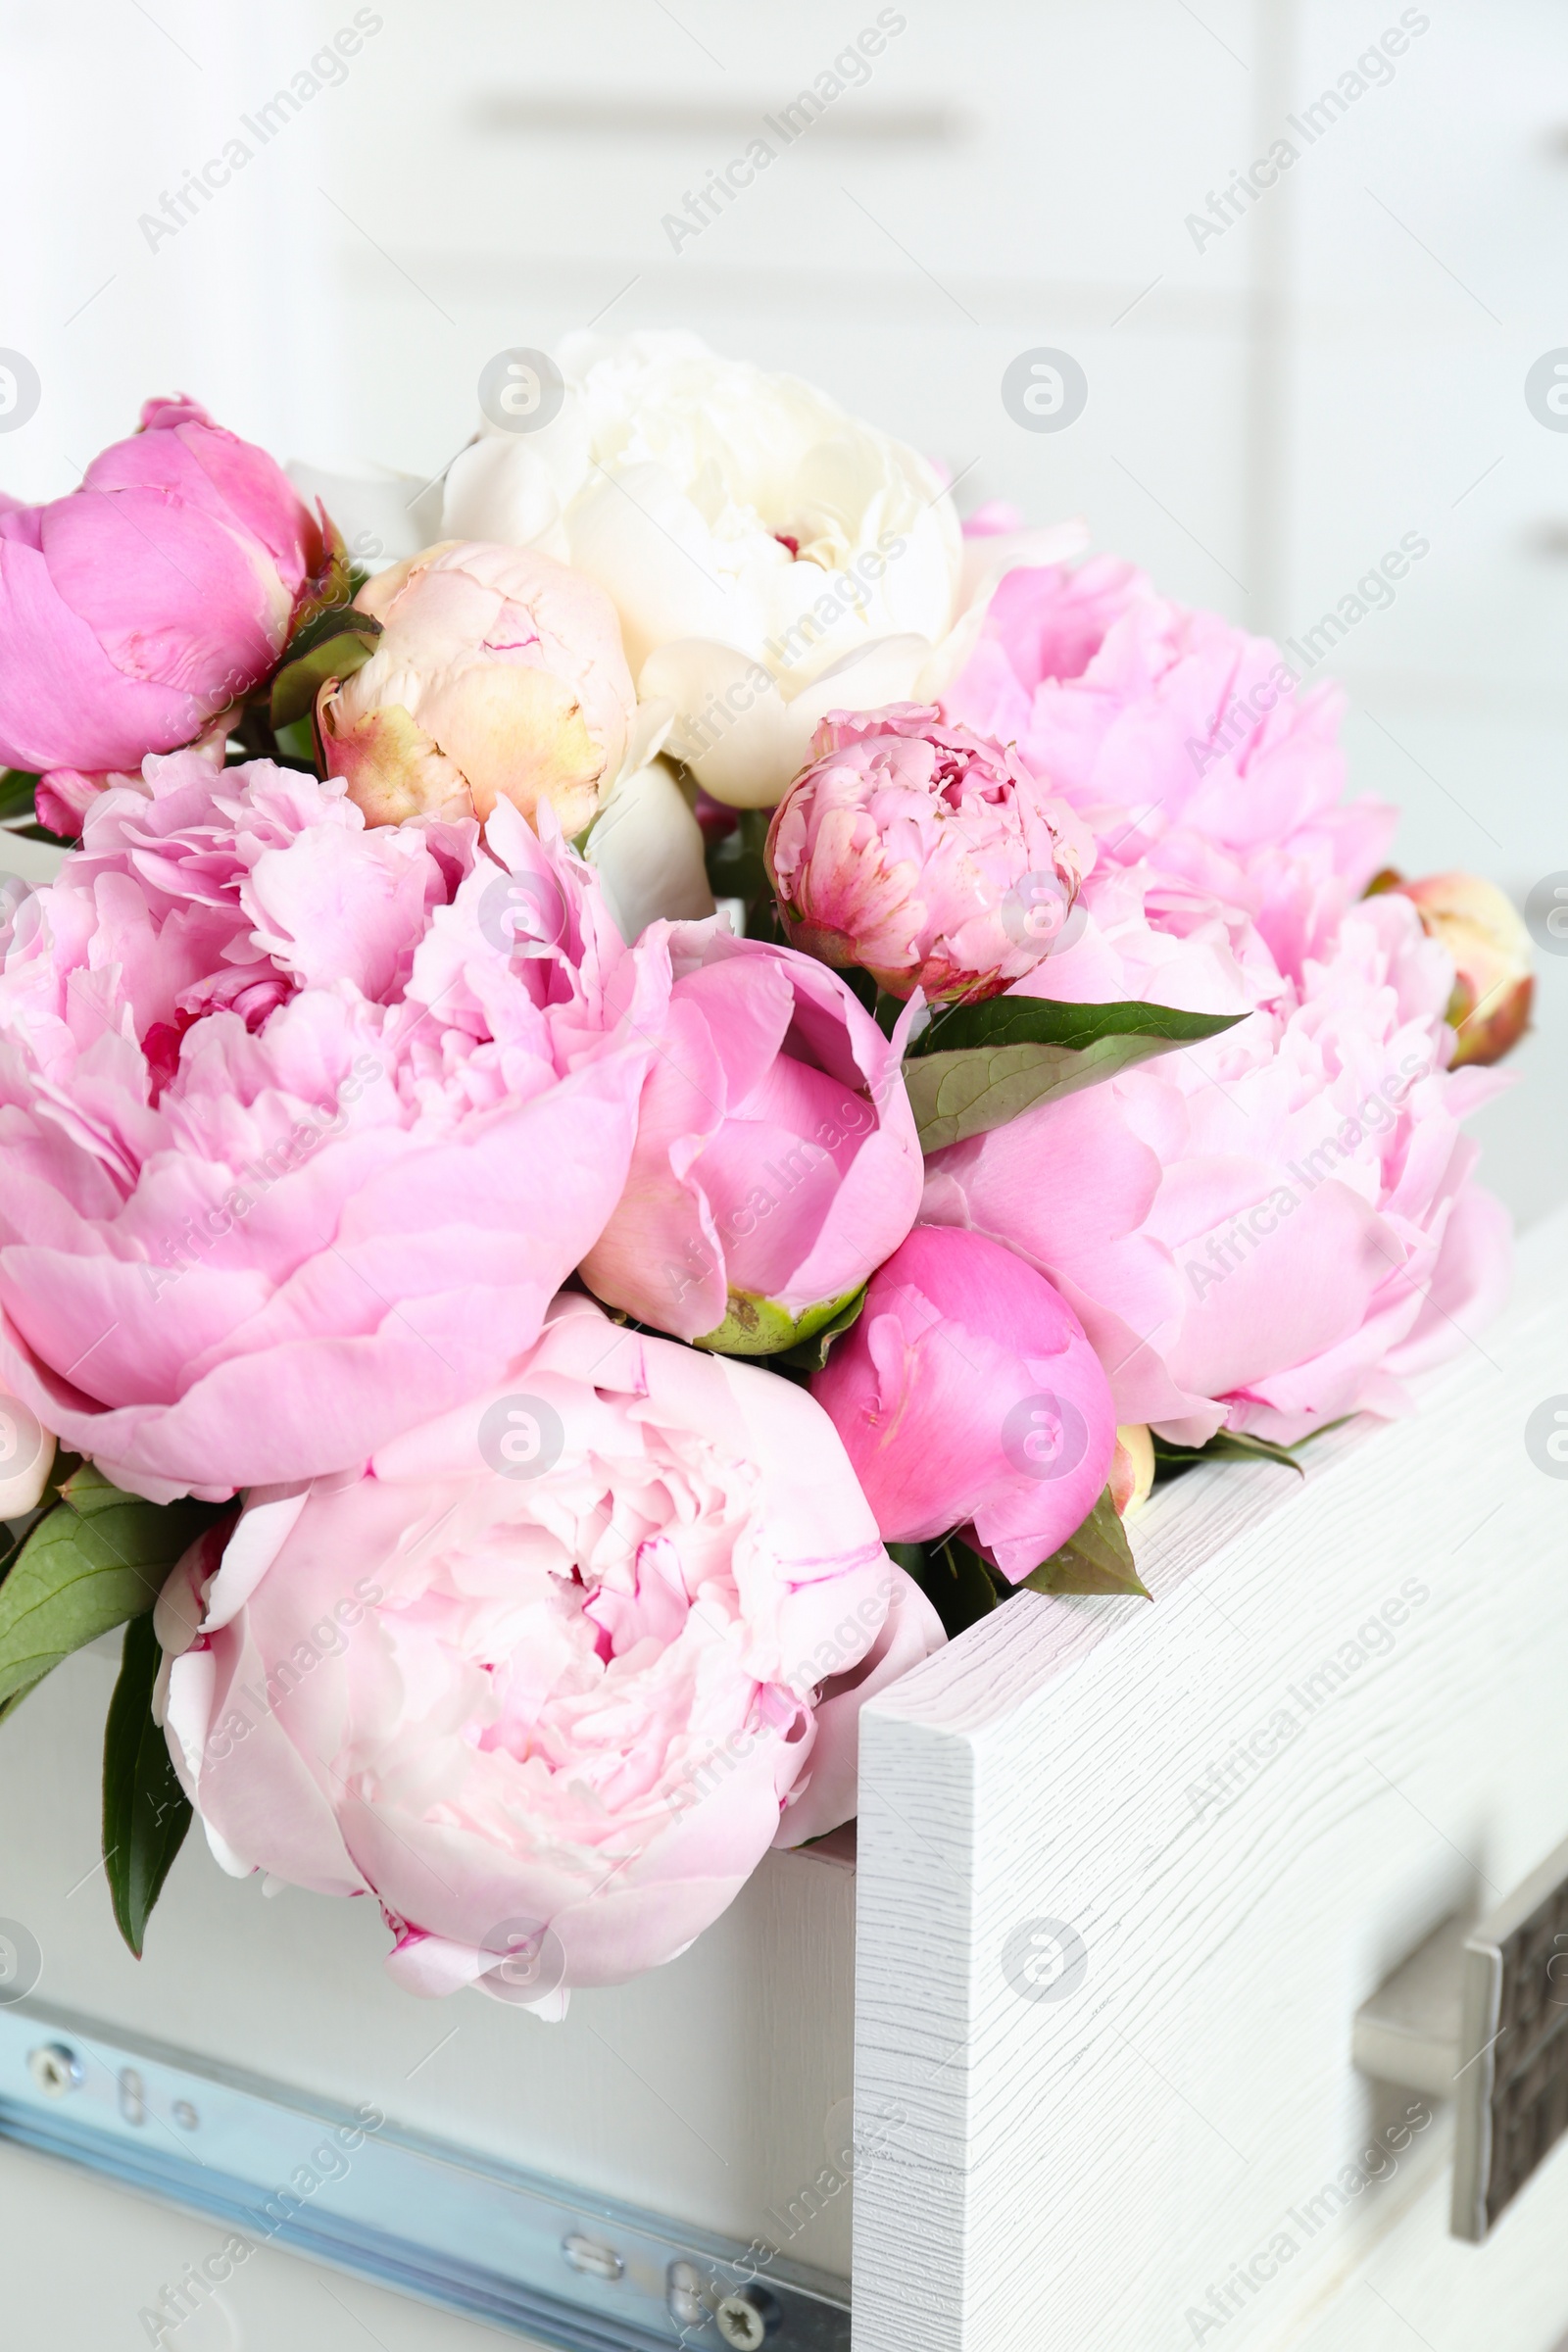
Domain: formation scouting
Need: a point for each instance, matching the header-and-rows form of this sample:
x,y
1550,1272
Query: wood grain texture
x,y
1345,1716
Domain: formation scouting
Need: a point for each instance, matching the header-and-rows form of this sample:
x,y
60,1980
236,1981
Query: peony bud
x,y
1132,1469
776,1161
499,676
967,1397
1485,934
924,853
153,598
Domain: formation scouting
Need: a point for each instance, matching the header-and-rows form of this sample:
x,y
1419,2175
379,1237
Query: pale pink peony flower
x,y
499,676
296,1146
776,1161
969,1399
1272,1230
1189,747
550,1676
152,598
924,854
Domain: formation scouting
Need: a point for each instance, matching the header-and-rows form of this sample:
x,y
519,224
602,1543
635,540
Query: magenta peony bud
x,y
499,676
157,595
925,853
1485,934
967,1397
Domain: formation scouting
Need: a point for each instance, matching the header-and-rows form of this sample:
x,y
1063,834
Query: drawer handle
x,y
1480,2015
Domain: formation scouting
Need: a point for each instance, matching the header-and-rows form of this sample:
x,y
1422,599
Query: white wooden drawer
x,y
1251,1803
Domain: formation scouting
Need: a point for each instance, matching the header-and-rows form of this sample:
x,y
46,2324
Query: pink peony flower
x,y
1486,935
776,1161
295,1149
1187,745
924,853
499,676
550,1677
1272,1230
967,1398
152,598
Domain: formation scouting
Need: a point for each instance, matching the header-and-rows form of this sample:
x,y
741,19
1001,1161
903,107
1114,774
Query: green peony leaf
x,y
16,790
737,869
979,1065
97,1558
957,1583
146,1811
1227,1445
1098,1559
1042,1021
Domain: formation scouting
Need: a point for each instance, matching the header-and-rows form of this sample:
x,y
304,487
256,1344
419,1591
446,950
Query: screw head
x,y
740,2322
56,2068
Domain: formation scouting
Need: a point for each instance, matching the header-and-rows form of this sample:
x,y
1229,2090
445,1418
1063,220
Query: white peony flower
x,y
770,557
647,848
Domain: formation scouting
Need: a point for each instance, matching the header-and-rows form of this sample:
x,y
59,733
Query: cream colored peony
x,y
499,676
772,558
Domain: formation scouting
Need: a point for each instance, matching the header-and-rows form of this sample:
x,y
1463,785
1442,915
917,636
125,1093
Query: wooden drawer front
x,y
1127,1873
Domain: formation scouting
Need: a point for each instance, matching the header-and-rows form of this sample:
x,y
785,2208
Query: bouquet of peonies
x,y
608,1133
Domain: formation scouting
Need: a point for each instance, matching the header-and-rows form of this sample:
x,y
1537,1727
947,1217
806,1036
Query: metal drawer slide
x,y
351,2190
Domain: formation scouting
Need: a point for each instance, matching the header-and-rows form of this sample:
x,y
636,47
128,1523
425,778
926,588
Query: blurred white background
x,y
1270,407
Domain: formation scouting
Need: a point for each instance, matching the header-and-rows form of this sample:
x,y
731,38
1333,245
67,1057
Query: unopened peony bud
x,y
776,1162
1485,934
499,676
149,600
1132,1469
968,1397
925,855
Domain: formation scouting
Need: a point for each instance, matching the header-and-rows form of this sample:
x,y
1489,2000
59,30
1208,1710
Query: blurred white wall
x,y
1271,404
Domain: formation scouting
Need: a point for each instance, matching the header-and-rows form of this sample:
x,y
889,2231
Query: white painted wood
x,y
1251,1802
